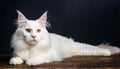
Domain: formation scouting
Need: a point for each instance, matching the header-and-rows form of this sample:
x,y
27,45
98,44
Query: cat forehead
x,y
33,24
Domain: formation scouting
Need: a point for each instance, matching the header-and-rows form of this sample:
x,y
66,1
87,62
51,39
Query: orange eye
x,y
28,30
38,30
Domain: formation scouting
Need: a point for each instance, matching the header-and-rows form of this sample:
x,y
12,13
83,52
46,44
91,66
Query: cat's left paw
x,y
34,61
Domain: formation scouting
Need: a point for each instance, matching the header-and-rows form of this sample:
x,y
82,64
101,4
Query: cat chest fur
x,y
30,52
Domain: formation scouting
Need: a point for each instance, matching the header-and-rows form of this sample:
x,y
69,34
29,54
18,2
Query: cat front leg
x,y
16,60
40,59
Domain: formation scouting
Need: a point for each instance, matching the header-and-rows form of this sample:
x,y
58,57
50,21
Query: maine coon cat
x,y
34,45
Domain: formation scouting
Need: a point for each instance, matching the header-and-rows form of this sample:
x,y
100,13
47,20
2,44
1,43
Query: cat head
x,y
32,31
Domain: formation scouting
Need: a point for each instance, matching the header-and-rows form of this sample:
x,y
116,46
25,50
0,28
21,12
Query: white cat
x,y
34,45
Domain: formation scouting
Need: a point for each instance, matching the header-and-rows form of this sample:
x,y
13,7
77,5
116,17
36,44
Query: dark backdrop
x,y
88,21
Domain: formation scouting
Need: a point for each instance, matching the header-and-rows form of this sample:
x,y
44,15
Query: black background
x,y
88,21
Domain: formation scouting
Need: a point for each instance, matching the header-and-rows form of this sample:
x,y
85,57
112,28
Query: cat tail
x,y
112,49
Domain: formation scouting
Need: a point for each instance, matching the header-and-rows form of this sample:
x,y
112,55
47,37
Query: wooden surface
x,y
76,62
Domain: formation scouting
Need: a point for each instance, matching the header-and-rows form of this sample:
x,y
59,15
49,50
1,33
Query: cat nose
x,y
33,36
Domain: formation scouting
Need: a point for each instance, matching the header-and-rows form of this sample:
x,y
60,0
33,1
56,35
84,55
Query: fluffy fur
x,y
34,45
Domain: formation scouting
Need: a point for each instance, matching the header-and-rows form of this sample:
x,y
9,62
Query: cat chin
x,y
32,43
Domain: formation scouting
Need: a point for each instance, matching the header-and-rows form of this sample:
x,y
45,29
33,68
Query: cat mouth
x,y
34,40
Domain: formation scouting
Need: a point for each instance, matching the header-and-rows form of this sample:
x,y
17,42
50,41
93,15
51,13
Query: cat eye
x,y
28,30
38,30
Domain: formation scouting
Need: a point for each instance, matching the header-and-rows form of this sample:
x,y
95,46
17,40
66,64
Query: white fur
x,y
47,47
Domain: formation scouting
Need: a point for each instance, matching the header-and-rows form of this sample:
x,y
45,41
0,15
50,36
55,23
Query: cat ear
x,y
21,19
43,19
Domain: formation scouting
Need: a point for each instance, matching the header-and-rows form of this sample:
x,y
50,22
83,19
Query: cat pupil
x,y
28,30
38,30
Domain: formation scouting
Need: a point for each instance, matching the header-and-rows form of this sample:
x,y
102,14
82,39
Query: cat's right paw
x,y
16,60
106,52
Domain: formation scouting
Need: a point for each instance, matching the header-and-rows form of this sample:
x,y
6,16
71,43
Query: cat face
x,y
33,31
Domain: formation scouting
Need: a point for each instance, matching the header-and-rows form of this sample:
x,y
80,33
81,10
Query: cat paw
x,y
106,52
34,61
16,60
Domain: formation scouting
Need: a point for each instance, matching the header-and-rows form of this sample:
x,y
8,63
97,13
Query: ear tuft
x,y
18,12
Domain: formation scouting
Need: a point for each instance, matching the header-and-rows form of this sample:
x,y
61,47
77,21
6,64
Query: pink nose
x,y
33,36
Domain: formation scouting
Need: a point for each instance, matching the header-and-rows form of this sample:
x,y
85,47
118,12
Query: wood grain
x,y
76,62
